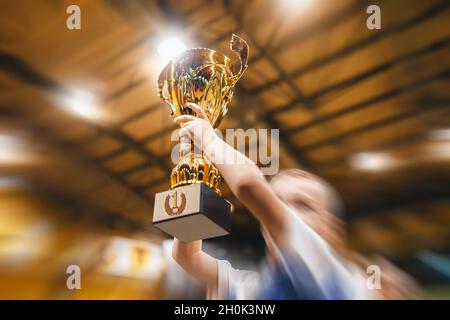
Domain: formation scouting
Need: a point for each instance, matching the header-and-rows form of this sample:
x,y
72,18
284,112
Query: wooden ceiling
x,y
333,87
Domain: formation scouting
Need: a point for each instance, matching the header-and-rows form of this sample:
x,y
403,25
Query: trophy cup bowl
x,y
207,78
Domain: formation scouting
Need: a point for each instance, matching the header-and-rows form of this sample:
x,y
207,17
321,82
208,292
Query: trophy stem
x,y
194,168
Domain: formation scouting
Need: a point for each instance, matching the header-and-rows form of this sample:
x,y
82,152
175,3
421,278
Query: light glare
x,y
298,3
13,150
443,134
170,48
371,161
80,103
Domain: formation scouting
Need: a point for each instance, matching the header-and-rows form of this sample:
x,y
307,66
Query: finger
x,y
185,140
185,132
184,118
197,109
185,143
185,146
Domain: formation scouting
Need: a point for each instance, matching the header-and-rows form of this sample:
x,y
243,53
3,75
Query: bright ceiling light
x,y
298,3
170,48
81,103
437,151
443,134
12,182
372,161
13,150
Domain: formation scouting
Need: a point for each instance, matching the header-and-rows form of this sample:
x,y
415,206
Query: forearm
x,y
242,175
234,167
193,260
183,251
248,184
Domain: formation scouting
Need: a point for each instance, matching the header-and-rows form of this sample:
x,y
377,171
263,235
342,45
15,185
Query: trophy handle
x,y
240,47
162,80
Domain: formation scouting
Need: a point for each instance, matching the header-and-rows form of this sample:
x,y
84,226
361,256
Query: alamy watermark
x,y
73,281
374,20
373,281
263,148
73,21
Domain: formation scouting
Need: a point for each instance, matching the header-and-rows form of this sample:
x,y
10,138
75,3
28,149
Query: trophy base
x,y
192,212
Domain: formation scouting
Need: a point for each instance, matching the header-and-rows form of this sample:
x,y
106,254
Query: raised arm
x,y
306,255
242,175
194,261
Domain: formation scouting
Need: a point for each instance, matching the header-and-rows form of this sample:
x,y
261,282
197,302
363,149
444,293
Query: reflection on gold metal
x,y
205,77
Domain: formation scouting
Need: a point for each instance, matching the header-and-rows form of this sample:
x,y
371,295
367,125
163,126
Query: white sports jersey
x,y
308,269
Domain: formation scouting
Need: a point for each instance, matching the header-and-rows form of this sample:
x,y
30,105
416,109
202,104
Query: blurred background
x,y
85,141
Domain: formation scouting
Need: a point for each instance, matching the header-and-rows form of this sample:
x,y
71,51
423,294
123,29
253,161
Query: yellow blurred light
x,y
170,48
131,258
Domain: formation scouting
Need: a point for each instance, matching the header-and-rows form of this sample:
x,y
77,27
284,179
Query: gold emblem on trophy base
x,y
175,209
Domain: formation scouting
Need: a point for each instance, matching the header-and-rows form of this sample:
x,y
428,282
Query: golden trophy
x,y
193,208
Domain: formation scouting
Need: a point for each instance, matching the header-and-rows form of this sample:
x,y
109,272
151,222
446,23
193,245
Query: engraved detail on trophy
x,y
174,209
